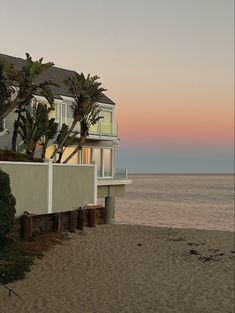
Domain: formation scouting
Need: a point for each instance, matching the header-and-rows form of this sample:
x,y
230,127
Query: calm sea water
x,y
185,201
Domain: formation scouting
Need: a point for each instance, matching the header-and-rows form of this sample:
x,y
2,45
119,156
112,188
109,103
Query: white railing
x,y
99,129
121,173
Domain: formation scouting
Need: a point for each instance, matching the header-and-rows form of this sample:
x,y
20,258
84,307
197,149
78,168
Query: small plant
x,y
7,205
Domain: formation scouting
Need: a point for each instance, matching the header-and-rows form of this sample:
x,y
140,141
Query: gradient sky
x,y
168,64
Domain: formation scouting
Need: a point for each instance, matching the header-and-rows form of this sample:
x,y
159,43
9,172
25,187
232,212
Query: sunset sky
x,y
168,65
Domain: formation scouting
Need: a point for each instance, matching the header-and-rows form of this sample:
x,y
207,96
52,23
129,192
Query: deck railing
x,y
121,173
99,129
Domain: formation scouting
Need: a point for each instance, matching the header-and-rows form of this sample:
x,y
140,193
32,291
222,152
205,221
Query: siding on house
x,y
5,140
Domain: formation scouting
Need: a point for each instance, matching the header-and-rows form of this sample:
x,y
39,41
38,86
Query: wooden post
x,y
27,224
73,217
91,217
81,218
57,222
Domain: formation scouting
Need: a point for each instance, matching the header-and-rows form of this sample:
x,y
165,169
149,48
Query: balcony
x,y
99,130
121,174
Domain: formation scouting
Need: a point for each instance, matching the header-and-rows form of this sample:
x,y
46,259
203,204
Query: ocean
x,y
180,201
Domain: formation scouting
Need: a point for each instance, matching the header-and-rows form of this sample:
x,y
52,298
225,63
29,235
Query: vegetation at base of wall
x,y
17,256
7,155
14,261
7,205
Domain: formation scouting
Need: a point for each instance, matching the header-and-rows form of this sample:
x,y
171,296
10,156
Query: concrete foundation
x,y
110,205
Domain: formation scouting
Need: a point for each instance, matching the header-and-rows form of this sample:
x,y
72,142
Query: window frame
x,y
102,159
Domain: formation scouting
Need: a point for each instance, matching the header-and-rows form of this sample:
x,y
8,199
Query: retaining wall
x,y
29,225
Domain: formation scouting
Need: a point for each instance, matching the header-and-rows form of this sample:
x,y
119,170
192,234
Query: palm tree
x,y
35,127
86,91
51,128
28,85
7,74
25,84
71,140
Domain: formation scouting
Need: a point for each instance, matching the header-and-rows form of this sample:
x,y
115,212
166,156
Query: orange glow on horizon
x,y
176,119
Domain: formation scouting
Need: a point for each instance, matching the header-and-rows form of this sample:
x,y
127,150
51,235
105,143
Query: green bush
x,y
7,205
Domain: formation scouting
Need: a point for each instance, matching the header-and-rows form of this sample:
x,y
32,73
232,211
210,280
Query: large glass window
x,y
96,156
63,113
106,122
107,162
86,155
94,129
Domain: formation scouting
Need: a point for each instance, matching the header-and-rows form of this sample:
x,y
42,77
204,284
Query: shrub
x,y
7,155
14,261
7,205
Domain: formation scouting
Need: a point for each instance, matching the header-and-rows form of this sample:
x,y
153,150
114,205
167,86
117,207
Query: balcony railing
x,y
99,129
121,173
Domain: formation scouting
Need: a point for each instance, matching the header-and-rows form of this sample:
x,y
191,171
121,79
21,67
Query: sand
x,y
130,269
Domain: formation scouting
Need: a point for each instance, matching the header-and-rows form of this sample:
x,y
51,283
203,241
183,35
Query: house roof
x,y
56,74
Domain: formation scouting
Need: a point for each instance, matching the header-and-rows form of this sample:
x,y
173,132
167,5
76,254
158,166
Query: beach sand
x,y
130,269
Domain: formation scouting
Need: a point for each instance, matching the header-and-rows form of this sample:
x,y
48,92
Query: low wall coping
x,y
113,182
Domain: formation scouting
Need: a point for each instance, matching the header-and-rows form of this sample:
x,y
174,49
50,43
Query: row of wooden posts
x,y
72,220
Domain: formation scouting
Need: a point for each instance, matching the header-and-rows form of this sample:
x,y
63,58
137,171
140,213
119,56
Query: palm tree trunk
x,y
61,144
83,135
15,133
14,138
72,154
44,147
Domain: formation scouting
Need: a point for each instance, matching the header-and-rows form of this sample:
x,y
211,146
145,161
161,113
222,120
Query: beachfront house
x,y
103,137
101,143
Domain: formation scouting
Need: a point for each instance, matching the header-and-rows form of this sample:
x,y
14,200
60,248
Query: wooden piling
x,y
73,217
57,222
80,219
91,217
27,226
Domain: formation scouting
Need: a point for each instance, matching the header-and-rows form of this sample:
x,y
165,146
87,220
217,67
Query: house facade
x,y
102,141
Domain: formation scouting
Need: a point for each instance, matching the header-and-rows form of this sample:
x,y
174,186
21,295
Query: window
x,y
104,125
107,162
103,157
94,129
63,113
106,122
86,155
96,156
69,115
